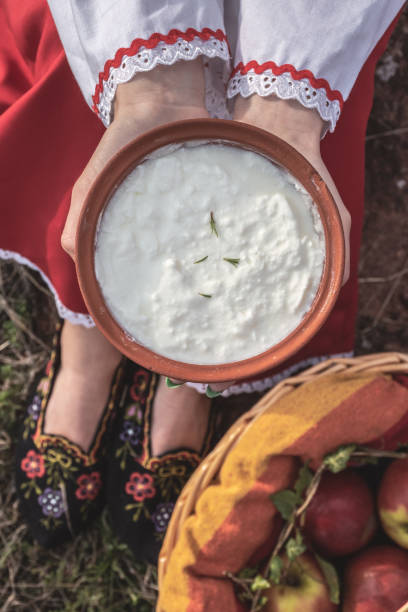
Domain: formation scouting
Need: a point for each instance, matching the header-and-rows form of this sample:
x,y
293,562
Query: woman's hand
x,y
301,128
167,93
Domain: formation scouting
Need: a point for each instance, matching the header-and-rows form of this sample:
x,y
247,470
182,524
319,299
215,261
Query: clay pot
x,y
246,137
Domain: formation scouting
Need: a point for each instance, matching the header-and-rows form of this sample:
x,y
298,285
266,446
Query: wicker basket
x,y
391,363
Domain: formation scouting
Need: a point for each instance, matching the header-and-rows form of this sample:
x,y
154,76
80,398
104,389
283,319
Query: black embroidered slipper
x,y
141,489
60,487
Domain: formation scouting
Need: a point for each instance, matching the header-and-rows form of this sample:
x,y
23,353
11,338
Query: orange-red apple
x,y
341,517
376,580
393,501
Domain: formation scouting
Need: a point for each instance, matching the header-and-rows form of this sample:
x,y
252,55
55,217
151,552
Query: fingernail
x,y
172,385
211,393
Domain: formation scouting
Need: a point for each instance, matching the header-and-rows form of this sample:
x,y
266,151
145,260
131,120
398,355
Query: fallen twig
x,y
396,132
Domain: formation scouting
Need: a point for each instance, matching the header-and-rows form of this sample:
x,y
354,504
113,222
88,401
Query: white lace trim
x,y
271,381
285,86
77,318
216,78
147,59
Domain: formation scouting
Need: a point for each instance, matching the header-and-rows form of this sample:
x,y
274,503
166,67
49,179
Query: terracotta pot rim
x,y
247,137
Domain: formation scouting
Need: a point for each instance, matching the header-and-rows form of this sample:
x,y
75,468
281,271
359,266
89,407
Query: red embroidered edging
x,y
150,43
332,94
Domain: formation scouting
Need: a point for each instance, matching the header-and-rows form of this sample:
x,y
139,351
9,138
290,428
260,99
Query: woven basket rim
x,y
385,363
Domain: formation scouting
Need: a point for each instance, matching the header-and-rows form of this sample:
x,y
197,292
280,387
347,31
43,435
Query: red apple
x,y
304,589
376,580
341,517
393,501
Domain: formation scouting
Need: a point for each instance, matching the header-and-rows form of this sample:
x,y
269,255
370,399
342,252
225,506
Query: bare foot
x,y
82,385
180,418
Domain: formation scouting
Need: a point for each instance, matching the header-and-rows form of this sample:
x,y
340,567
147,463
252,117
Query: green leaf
x,y
206,295
172,385
337,461
244,596
211,393
260,583
248,572
262,602
213,225
286,502
295,547
275,570
232,260
201,260
331,577
303,480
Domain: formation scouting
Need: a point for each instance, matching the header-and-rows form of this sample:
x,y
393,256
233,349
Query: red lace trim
x,y
150,43
332,94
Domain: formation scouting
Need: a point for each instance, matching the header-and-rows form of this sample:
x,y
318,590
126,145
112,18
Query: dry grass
x,y
94,572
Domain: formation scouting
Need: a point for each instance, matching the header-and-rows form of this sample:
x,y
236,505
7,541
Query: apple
x,y
341,517
376,580
393,501
303,589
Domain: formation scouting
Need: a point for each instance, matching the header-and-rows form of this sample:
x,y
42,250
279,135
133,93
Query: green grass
x,y
94,572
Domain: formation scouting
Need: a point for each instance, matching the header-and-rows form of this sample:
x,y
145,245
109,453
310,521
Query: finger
x,y
346,221
79,193
109,144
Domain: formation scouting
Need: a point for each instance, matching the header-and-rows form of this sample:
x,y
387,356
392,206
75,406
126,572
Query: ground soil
x,y
383,303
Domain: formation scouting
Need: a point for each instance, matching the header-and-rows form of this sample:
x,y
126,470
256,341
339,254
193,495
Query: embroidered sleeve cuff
x,y
145,54
287,83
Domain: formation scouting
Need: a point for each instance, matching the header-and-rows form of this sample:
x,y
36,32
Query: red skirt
x,y
48,133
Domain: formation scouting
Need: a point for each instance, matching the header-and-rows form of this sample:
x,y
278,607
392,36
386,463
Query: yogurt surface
x,y
209,254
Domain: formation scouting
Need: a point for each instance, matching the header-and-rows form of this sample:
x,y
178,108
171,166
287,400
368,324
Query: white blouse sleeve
x,y
108,41
308,50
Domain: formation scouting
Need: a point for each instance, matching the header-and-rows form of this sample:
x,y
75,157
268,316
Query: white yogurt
x,y
164,218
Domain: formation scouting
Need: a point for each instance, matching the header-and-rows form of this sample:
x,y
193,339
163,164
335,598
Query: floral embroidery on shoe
x,y
140,382
131,433
51,503
143,489
59,467
44,386
140,486
50,363
33,413
89,486
33,465
134,411
171,478
59,484
161,516
34,408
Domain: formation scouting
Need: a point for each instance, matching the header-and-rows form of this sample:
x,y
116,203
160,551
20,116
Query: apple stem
x,y
373,452
311,490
